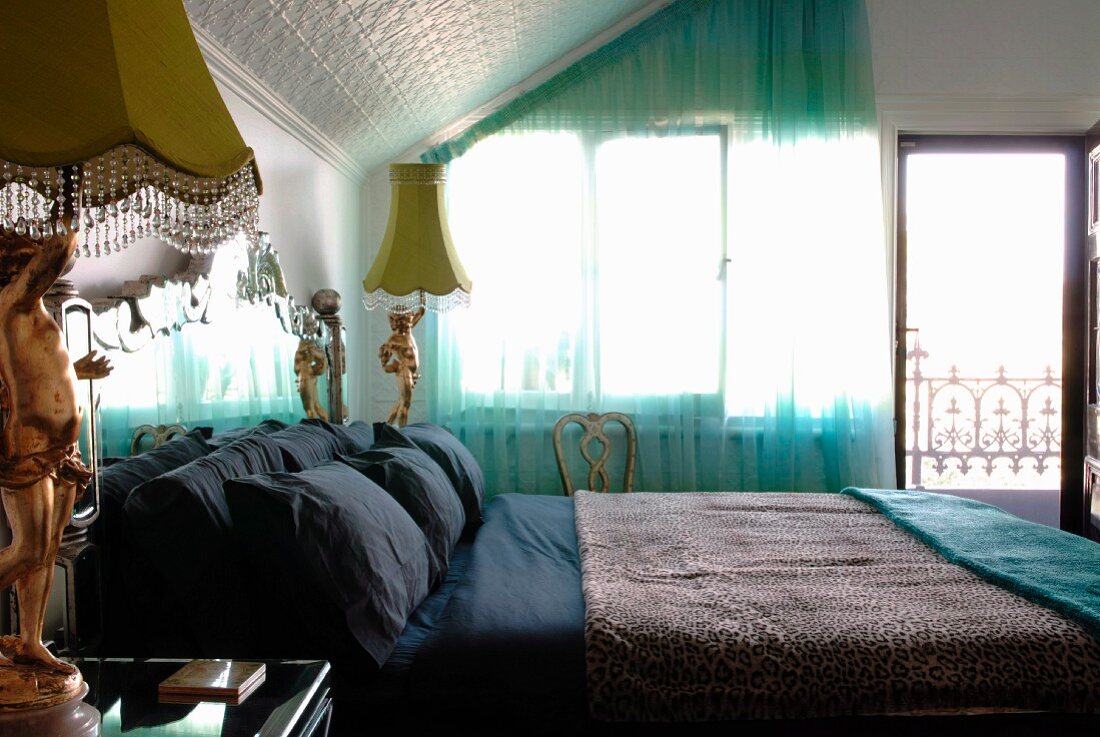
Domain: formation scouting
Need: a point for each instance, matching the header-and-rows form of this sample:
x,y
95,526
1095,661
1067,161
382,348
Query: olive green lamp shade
x,y
109,104
83,76
417,265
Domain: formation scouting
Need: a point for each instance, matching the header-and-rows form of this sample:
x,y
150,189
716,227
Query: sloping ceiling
x,y
376,76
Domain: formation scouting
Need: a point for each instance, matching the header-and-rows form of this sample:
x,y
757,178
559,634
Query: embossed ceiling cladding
x,y
376,76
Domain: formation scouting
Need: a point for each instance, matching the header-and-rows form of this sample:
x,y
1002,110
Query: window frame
x,y
712,403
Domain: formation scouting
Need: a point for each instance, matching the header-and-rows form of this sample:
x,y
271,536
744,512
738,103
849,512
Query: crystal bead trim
x,y
415,300
126,194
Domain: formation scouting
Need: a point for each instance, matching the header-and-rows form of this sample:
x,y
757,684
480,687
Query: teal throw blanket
x,y
1046,566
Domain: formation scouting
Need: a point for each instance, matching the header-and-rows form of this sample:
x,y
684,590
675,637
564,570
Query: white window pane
x,y
982,227
515,208
806,277
659,230
985,256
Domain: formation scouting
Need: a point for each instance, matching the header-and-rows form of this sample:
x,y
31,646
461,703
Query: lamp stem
x,y
399,356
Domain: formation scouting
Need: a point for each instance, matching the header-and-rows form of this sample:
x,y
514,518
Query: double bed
x,y
780,613
834,620
605,612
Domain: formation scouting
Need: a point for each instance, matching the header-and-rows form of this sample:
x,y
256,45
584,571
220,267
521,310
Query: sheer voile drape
x,y
229,373
684,226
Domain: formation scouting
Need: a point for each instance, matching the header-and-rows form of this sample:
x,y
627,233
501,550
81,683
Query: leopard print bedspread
x,y
713,606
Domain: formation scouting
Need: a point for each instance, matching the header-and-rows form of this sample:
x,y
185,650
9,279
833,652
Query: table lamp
x,y
417,268
112,130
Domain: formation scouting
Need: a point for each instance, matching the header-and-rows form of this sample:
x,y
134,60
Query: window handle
x,y
722,268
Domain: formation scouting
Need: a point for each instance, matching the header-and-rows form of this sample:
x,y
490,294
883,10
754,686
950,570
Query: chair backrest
x,y
593,425
160,434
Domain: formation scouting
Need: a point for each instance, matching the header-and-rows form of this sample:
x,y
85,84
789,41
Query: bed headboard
x,y
227,300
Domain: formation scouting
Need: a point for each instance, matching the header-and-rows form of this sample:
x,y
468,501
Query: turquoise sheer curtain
x,y
232,372
684,226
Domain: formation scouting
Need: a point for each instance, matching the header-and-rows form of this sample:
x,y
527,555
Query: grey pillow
x,y
342,563
305,446
129,598
355,436
181,524
225,437
422,489
453,457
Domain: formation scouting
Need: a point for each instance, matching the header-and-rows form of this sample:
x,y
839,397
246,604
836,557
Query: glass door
x,y
982,236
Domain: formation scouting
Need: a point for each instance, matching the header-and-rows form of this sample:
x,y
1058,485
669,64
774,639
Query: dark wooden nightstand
x,y
292,702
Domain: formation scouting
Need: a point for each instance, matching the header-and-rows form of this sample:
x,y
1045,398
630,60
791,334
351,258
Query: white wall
x,y
984,66
311,210
994,48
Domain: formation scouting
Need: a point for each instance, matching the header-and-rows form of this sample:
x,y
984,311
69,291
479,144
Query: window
x,y
746,274
620,292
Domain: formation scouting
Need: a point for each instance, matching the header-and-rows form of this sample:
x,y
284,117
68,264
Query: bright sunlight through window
x,y
985,262
623,294
659,235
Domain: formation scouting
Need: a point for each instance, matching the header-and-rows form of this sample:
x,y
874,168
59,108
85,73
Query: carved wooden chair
x,y
593,425
160,434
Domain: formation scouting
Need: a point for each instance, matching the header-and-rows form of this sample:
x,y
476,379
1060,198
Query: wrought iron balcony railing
x,y
982,432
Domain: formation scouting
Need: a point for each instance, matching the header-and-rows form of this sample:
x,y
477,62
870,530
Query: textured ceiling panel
x,y
376,76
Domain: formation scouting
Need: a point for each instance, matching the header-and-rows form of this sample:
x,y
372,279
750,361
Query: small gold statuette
x,y
398,356
309,363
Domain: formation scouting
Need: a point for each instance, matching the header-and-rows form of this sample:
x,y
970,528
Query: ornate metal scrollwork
x,y
148,306
264,275
977,424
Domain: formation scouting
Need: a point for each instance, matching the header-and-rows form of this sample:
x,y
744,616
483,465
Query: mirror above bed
x,y
216,346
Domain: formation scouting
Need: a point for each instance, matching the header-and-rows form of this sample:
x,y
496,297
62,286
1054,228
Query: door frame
x,y
1074,295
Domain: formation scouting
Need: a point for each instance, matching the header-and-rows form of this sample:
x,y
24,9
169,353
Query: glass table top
x,y
125,694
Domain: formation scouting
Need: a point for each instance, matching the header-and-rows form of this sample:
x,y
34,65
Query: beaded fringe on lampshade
x,y
416,300
126,194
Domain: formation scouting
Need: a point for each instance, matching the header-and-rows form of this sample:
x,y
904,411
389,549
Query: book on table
x,y
222,681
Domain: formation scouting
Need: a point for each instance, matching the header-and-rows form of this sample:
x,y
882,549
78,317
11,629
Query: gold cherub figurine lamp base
x,y
68,718
41,473
30,686
416,268
398,356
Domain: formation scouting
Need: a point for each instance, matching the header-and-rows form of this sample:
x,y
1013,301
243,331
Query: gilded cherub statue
x,y
41,472
398,355
309,363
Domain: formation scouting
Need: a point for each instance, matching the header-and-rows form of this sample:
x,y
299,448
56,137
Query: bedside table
x,y
293,701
